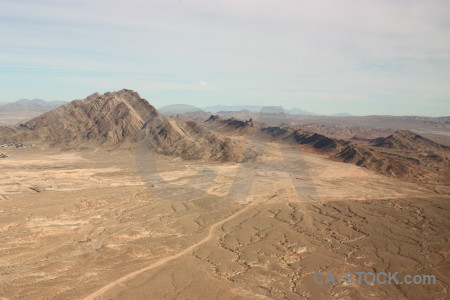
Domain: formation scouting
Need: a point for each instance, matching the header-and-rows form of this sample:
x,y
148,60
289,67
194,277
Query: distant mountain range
x,y
276,109
123,119
175,109
37,105
14,112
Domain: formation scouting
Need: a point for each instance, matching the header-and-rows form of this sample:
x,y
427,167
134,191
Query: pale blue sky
x,y
361,56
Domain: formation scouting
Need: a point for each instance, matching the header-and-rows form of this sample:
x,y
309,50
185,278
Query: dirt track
x,y
164,260
98,232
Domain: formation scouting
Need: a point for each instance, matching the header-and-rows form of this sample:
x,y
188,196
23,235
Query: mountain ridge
x,y
403,154
119,120
122,119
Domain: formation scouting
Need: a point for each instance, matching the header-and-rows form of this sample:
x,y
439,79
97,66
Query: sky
x,y
325,56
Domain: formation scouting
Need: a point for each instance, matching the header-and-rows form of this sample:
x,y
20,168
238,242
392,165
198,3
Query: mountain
x,y
253,108
125,120
36,105
298,111
40,102
231,126
121,120
403,154
191,140
178,109
434,128
406,140
375,161
111,118
234,126
233,122
346,132
23,109
219,108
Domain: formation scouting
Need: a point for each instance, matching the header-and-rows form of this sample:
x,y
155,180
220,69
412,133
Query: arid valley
x,y
224,150
106,198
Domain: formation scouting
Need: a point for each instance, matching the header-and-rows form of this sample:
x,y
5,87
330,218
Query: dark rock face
x,y
191,140
406,140
111,118
121,119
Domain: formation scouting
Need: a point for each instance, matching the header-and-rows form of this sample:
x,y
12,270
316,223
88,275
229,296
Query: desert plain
x,y
98,224
224,150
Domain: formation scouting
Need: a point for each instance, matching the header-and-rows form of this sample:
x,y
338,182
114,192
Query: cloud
x,y
250,50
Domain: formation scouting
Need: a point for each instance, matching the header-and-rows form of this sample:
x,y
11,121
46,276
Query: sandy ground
x,y
93,225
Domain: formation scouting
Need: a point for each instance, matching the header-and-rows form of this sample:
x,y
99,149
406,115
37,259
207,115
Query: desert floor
x,y
115,225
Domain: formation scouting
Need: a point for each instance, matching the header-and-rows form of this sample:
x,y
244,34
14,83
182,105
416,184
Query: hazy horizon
x,y
356,57
246,107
